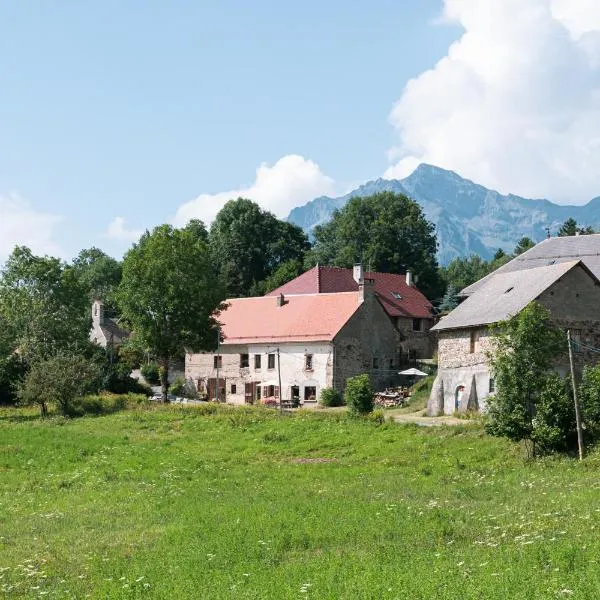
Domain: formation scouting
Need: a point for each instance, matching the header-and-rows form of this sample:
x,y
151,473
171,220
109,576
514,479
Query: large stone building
x,y
407,308
568,289
306,341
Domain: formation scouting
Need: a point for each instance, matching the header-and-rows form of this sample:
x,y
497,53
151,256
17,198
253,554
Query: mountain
x,y
469,218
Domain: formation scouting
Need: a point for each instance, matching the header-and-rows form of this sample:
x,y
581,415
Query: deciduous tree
x,y
169,294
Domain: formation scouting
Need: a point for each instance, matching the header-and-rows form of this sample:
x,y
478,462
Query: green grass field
x,y
179,503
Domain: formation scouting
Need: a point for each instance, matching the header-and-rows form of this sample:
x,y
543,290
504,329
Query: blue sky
x,y
117,116
132,108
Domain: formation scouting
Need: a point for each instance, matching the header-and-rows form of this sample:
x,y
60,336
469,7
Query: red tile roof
x,y
318,280
302,318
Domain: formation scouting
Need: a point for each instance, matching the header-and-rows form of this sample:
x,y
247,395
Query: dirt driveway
x,y
420,419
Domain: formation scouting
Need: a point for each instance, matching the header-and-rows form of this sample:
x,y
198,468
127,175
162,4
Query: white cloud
x,y
117,231
291,181
515,103
22,225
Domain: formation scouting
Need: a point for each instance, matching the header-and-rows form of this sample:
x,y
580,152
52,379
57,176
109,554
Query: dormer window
x,y
396,296
510,289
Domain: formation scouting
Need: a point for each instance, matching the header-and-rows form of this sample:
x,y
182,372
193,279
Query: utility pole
x,y
279,375
577,414
218,361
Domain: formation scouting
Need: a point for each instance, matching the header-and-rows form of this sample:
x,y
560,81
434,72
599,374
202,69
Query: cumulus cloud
x,y
117,231
515,103
291,181
21,224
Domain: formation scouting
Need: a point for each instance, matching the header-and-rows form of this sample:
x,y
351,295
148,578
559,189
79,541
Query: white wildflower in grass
x,y
139,579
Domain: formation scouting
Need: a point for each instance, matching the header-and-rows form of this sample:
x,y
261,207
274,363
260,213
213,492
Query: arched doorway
x,y
458,396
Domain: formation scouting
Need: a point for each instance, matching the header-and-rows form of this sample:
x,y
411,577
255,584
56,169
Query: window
x,y
474,342
233,388
257,361
416,324
271,361
308,362
492,387
510,289
310,393
375,362
396,296
244,361
217,362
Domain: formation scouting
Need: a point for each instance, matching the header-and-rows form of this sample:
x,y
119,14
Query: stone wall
x,y
368,334
422,342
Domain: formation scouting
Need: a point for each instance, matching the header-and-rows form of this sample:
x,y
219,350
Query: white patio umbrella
x,y
413,373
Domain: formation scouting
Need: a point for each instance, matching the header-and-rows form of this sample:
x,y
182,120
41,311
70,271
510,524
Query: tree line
x,y
171,284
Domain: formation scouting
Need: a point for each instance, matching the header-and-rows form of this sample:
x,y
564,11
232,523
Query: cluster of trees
x,y
533,403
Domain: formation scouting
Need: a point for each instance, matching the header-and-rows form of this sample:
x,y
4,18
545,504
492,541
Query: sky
x,y
118,116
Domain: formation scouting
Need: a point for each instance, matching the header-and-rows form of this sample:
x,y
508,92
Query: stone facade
x,y
464,380
416,343
105,332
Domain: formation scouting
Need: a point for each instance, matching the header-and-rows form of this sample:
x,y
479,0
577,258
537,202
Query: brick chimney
x,y
98,312
366,289
357,273
280,300
409,278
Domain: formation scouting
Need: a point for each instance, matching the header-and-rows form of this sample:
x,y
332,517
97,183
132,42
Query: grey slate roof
x,y
551,251
504,296
112,331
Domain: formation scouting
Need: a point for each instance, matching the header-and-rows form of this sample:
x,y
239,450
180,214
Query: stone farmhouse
x,y
559,273
309,341
105,332
407,308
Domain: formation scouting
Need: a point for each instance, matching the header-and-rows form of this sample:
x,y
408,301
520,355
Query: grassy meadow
x,y
214,502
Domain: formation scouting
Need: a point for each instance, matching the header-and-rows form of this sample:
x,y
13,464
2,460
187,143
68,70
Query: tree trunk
x,y
164,379
43,409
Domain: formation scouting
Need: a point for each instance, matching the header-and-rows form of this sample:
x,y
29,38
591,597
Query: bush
x,y
589,398
183,387
104,404
331,397
377,416
151,373
117,380
359,395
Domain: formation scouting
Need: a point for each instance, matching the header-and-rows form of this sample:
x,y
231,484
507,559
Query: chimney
x,y
358,273
366,288
280,300
98,312
409,278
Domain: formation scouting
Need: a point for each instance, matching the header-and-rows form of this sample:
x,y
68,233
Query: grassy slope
x,y
170,503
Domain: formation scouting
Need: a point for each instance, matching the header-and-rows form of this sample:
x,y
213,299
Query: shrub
x,y
177,387
331,397
377,416
359,395
117,380
151,373
589,398
104,404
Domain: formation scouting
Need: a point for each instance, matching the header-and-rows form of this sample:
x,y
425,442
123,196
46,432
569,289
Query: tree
x,y
359,395
99,274
523,245
285,272
169,294
524,348
570,227
462,272
249,244
450,300
58,379
386,232
43,305
589,398
499,255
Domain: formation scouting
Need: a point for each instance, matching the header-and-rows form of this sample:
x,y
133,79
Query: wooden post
x,y
577,414
279,375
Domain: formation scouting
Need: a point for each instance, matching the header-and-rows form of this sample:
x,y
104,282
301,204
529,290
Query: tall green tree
x,y
523,245
524,349
387,232
43,305
249,244
570,227
169,294
99,274
463,271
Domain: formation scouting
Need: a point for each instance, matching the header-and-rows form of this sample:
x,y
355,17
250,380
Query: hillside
x,y
469,218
